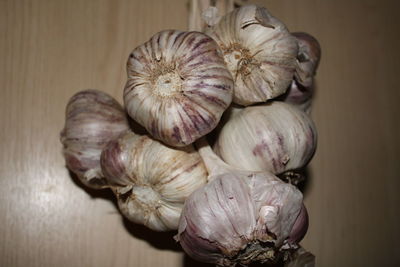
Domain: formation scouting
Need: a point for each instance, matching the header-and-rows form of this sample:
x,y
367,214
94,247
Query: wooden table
x,y
52,49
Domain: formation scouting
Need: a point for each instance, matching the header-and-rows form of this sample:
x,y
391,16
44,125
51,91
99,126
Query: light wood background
x,y
51,49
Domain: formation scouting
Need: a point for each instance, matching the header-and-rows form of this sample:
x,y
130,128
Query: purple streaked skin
x,y
93,118
178,86
211,229
111,162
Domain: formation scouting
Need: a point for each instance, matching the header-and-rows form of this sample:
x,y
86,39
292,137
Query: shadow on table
x,y
189,262
94,193
159,240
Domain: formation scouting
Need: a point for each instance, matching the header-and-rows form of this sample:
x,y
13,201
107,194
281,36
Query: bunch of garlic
x,y
150,179
247,66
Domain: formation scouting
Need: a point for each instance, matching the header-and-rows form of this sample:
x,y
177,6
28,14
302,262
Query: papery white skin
x,y
274,137
152,180
239,216
259,52
178,86
93,118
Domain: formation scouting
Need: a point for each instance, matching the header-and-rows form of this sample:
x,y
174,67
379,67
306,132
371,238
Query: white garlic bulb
x,y
259,52
239,217
274,137
151,180
178,86
93,118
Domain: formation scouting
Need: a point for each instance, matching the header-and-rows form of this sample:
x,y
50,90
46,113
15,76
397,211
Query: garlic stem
x,y
214,164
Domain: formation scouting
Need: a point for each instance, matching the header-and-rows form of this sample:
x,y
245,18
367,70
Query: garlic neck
x,y
239,59
214,164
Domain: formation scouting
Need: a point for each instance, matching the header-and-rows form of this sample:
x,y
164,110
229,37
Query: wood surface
x,y
51,49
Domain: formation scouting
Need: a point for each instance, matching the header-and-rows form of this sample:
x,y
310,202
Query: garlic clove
x,y
151,180
259,51
178,86
239,216
93,118
274,137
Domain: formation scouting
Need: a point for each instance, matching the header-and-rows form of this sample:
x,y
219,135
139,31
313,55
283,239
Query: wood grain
x,y
51,49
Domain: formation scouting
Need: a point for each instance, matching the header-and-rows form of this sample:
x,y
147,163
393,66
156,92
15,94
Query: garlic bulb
x,y
302,88
308,58
274,137
239,216
178,86
259,52
92,119
151,180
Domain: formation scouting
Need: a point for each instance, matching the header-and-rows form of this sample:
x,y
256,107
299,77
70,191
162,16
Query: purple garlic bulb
x,y
239,217
93,118
178,86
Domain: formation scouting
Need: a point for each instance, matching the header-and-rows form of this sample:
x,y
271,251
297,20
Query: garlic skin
x,y
239,217
299,228
259,51
274,137
93,118
151,180
178,86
